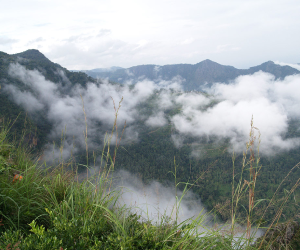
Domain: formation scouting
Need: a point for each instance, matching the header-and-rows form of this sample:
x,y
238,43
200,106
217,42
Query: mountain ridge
x,y
32,60
147,151
193,76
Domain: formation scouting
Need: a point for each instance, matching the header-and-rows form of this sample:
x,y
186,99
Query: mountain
x,y
194,77
95,73
34,55
161,135
278,71
12,110
36,60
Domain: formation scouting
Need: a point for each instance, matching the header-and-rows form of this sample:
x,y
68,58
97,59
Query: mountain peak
x,y
268,63
208,63
32,54
208,60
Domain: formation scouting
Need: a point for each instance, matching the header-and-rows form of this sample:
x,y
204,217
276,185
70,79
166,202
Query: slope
x,y
193,77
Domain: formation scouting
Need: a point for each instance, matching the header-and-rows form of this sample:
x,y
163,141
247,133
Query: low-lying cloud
x,y
224,113
156,201
159,203
272,103
67,105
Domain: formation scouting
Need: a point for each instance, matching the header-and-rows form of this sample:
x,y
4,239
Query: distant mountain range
x,y
55,105
93,72
193,76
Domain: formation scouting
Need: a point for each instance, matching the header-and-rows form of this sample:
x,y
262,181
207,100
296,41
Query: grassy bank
x,y
46,207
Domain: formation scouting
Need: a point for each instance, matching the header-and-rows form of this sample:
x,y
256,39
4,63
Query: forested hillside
x,y
161,132
12,110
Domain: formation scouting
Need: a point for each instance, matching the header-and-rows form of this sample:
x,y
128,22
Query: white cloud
x,y
65,108
25,99
271,103
175,83
157,120
225,114
155,201
192,101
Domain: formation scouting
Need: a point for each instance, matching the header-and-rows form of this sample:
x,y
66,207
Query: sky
x,y
100,33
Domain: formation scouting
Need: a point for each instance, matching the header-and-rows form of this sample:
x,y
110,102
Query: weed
x,y
50,209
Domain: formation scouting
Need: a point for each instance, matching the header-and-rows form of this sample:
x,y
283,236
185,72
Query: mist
x,y
272,104
157,202
224,111
94,106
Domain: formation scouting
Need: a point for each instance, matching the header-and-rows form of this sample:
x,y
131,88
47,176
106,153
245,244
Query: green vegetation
x,y
48,208
152,155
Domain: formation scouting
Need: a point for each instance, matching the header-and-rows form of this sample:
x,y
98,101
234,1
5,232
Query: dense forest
x,y
154,156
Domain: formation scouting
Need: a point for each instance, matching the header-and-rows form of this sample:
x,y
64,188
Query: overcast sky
x,y
100,33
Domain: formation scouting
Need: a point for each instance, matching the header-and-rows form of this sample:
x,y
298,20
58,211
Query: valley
x,y
193,117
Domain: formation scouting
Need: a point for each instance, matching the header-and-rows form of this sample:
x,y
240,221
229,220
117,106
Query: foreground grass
x,y
47,208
